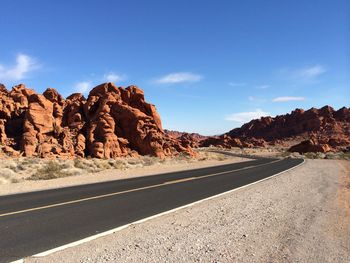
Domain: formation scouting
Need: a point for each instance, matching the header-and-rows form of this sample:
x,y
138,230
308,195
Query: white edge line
x,y
108,232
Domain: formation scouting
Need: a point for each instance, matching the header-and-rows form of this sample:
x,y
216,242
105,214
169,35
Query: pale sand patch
x,y
294,217
154,167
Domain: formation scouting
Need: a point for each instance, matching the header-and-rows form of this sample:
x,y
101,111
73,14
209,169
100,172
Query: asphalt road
x,y
34,222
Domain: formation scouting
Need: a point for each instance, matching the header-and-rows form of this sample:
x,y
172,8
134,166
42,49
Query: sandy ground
x,y
299,216
212,159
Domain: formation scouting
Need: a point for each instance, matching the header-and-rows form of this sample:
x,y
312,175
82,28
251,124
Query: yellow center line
x,y
126,191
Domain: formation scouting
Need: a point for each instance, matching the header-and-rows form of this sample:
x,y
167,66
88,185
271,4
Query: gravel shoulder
x,y
299,216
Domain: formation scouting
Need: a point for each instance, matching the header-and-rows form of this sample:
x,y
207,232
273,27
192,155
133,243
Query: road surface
x,y
38,221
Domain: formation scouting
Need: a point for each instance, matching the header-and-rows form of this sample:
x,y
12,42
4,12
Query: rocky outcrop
x,y
321,129
187,139
111,122
325,121
226,141
311,145
194,136
223,141
313,128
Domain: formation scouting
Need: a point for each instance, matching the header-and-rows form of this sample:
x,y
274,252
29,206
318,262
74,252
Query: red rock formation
x,y
326,128
325,120
111,122
311,145
223,141
187,139
227,141
325,125
177,134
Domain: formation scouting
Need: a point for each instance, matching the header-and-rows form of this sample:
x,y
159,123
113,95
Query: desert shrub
x,y
6,175
94,165
21,167
117,164
66,164
285,154
72,171
310,155
319,155
133,161
102,164
162,161
11,164
88,165
49,170
344,155
148,160
78,163
15,180
28,163
331,156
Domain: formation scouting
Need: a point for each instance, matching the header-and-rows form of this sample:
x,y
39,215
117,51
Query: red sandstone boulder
x,y
311,145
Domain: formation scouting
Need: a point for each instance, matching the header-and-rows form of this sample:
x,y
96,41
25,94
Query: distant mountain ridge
x,y
323,130
187,139
324,122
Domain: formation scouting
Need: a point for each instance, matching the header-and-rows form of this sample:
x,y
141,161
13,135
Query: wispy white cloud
x,y
237,84
305,74
83,87
263,86
24,65
287,98
113,77
311,72
244,117
179,77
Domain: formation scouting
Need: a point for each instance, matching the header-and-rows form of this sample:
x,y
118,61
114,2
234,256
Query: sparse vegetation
x,y
50,170
19,169
345,155
148,161
285,154
5,175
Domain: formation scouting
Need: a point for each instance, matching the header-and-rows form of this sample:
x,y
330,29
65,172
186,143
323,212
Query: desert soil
x,y
299,216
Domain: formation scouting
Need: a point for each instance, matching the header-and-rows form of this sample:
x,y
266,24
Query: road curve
x,y
34,222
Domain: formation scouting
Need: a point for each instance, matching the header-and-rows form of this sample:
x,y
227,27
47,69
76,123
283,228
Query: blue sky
x,y
208,66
